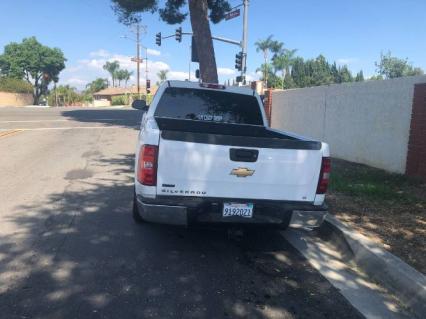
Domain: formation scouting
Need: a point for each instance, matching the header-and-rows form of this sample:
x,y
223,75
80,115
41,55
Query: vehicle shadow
x,y
78,254
129,118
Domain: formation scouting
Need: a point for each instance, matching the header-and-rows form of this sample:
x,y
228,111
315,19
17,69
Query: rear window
x,y
207,105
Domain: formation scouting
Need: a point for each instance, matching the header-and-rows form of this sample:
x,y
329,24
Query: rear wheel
x,y
286,221
136,215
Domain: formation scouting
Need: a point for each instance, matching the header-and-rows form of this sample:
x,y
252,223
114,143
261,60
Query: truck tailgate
x,y
191,168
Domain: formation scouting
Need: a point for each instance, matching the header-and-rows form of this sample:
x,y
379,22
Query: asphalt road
x,y
69,247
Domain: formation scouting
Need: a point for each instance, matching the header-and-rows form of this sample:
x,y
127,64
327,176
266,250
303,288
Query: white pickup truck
x,y
205,154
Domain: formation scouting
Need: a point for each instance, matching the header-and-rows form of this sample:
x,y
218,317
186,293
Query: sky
x,y
351,32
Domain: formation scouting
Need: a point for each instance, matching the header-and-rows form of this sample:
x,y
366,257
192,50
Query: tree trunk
x,y
265,77
36,94
198,11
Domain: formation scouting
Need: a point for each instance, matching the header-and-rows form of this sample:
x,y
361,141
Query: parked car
x,y
206,155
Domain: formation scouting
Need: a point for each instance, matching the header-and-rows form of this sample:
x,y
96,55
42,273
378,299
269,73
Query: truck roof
x,y
209,86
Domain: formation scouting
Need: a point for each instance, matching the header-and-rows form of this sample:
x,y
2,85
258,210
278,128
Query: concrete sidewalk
x,y
404,281
377,283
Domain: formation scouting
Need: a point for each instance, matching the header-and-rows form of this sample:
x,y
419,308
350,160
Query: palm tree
x,y
162,75
119,76
127,74
97,85
283,61
265,46
122,75
112,68
276,48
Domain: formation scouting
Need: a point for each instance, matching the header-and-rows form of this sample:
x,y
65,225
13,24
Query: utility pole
x,y
189,64
244,42
138,56
146,69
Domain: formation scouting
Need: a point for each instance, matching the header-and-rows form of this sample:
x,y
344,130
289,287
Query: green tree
x,y
64,95
299,72
274,81
265,47
320,71
122,75
283,61
97,85
112,68
335,73
376,77
126,76
359,76
392,67
129,12
39,65
162,76
345,75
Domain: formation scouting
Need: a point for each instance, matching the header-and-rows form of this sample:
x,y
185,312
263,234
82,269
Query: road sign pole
x,y
244,42
146,67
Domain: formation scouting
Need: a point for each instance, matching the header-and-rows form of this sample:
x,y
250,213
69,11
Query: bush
x,y
64,95
15,85
120,100
147,98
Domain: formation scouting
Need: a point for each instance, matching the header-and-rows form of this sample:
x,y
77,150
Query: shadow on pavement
x,y
122,117
81,256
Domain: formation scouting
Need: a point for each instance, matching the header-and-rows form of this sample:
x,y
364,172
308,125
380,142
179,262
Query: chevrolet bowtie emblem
x,y
242,172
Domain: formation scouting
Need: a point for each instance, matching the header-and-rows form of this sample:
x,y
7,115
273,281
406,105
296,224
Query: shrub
x,y
64,95
147,98
120,100
15,85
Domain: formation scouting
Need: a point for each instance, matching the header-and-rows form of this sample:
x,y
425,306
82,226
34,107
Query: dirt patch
x,y
388,208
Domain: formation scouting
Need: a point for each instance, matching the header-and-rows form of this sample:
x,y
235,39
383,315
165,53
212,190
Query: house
x,y
104,97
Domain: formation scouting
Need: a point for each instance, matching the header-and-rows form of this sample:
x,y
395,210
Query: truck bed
x,y
231,134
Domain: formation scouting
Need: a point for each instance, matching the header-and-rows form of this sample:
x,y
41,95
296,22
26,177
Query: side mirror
x,y
140,105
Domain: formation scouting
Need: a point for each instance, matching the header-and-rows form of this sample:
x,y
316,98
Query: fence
x,y
15,99
365,122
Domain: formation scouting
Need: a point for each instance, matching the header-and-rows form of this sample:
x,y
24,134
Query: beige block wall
x,y
15,99
366,122
103,102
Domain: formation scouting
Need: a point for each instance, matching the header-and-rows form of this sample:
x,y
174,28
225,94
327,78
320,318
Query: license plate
x,y
238,209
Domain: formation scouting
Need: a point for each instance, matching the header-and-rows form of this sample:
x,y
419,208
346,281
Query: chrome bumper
x,y
180,215
163,214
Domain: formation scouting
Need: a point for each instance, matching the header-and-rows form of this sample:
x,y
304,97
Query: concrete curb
x,y
402,280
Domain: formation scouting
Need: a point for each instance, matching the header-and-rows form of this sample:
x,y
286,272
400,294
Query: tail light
x,y
147,165
324,175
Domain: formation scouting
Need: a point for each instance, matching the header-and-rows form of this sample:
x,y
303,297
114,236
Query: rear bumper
x,y
186,211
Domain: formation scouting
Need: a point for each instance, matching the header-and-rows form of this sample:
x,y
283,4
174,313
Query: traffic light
x,y
148,84
239,61
178,34
158,39
197,73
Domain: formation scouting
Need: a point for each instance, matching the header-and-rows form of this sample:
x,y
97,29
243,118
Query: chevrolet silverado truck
x,y
205,154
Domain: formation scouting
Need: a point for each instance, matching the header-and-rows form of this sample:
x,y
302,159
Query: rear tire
x,y
286,222
136,215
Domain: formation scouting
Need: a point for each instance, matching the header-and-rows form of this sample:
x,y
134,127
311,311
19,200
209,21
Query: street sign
x,y
136,60
232,14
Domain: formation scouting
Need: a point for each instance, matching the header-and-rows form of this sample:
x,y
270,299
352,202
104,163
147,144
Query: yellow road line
x,y
9,133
